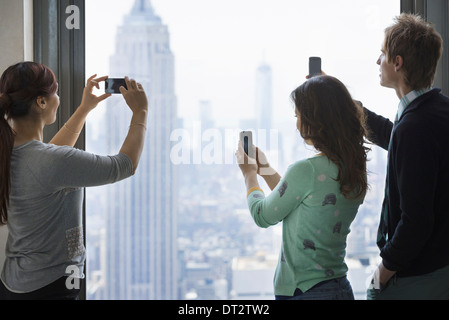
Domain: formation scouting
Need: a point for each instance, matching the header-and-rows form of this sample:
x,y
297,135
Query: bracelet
x,y
252,190
72,132
139,124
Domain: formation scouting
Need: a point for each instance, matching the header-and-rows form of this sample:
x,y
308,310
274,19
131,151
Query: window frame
x,y
64,51
436,11
67,61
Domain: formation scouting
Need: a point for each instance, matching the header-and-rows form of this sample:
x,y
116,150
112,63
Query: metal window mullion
x,y
62,50
437,12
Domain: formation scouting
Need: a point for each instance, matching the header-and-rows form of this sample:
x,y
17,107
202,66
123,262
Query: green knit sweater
x,y
316,221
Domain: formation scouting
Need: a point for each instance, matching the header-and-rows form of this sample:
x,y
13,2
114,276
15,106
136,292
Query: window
x,y
180,228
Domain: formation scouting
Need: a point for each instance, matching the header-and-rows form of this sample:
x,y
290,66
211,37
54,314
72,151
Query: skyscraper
x,y
267,135
264,96
141,253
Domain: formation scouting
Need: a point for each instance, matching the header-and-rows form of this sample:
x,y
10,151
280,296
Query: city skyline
x,y
140,235
215,232
219,44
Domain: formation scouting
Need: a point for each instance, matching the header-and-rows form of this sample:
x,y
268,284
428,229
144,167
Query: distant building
x,y
252,277
264,97
141,217
267,136
206,115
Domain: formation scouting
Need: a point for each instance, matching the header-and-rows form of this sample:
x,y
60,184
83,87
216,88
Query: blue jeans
x,y
334,289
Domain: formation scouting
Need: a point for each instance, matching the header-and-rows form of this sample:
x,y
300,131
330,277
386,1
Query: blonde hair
x,y
419,45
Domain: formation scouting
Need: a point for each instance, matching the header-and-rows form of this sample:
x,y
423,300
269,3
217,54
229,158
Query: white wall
x,y
16,44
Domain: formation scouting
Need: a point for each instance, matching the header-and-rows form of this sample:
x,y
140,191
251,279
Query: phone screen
x,y
314,66
247,140
112,85
246,144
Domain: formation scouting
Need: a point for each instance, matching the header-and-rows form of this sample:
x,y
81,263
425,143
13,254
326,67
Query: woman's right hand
x,y
246,164
135,96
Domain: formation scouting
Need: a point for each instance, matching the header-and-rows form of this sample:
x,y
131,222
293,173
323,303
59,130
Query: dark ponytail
x,y
6,145
20,86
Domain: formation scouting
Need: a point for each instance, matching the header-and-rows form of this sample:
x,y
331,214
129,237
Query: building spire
x,y
142,6
143,11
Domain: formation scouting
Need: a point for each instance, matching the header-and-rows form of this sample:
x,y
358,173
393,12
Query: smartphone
x,y
112,85
314,66
247,140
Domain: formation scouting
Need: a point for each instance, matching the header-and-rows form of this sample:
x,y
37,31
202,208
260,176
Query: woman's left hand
x,y
246,164
90,100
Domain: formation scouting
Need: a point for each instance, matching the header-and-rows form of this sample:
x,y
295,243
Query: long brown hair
x,y
336,126
20,86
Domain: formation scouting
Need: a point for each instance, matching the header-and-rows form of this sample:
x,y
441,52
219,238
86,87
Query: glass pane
x,y
180,228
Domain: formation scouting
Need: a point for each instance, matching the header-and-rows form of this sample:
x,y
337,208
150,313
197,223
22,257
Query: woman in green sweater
x,y
318,198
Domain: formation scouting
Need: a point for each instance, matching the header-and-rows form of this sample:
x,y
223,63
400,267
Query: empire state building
x,y
141,252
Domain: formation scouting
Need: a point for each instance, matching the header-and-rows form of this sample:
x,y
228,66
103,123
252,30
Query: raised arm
x,y
285,197
137,101
268,173
69,133
379,128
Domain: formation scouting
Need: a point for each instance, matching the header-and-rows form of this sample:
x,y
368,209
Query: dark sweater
x,y
418,181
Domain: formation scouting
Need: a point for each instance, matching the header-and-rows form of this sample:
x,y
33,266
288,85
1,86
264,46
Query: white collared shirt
x,y
407,99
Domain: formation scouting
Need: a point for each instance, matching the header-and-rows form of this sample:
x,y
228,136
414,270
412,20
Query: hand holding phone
x,y
314,67
90,100
246,137
134,95
112,85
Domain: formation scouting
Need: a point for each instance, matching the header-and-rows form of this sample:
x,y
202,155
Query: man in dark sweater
x,y
413,233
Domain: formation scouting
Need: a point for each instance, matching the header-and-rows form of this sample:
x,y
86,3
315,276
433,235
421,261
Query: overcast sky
x,y
218,44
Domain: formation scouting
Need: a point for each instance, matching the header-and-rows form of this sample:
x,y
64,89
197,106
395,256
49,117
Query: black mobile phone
x,y
314,66
112,85
247,140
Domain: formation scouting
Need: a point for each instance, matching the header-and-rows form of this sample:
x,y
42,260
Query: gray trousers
x,y
431,286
